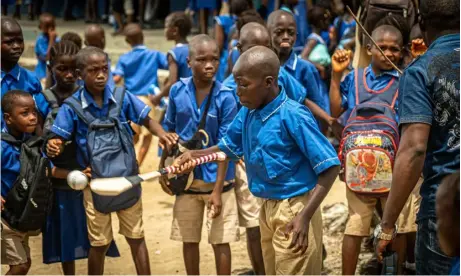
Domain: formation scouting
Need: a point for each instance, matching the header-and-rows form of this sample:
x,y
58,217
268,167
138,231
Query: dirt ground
x,y
166,255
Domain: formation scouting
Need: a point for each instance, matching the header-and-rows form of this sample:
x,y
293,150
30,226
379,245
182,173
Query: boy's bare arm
x,y
172,79
166,139
339,63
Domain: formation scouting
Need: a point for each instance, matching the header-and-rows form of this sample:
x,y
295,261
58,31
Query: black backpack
x,y
29,201
53,102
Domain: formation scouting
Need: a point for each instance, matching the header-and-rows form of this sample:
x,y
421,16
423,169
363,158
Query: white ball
x,y
77,180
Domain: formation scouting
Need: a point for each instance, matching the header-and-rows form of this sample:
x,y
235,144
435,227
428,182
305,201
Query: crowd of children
x,y
276,100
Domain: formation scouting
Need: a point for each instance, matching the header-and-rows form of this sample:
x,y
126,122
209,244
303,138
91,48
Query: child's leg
x,y
68,268
20,269
17,12
4,9
96,259
146,140
191,255
223,258
15,250
144,135
266,237
203,21
254,250
361,210
140,255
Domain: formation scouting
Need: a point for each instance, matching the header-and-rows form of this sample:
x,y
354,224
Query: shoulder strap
x,y
357,82
205,112
77,107
119,95
50,98
10,139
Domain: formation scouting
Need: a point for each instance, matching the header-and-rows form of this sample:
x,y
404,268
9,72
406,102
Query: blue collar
x,y
217,87
25,136
271,108
392,73
15,72
444,39
140,47
292,61
87,99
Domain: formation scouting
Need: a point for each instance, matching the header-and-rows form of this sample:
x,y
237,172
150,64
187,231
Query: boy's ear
x,y
7,118
188,61
369,49
268,81
79,73
239,47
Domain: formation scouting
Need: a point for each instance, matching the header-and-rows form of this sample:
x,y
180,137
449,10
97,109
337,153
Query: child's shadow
x,y
166,205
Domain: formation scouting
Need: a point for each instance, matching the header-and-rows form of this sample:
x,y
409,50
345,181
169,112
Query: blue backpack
x,y
370,138
110,152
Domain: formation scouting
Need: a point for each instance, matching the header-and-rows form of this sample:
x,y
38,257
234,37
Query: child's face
x,y
65,71
23,116
96,39
12,44
204,61
283,34
391,47
170,30
251,88
47,24
96,73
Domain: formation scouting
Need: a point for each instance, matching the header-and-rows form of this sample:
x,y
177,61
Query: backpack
x,y
29,201
53,102
370,138
110,152
375,10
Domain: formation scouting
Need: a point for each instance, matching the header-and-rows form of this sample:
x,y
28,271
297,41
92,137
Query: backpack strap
x,y
76,105
205,112
10,139
51,99
119,95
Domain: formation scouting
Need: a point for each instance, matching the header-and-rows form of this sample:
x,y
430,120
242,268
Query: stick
x,y
116,185
372,40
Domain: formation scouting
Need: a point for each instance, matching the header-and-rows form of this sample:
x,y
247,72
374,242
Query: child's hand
x,y
340,60
155,99
185,162
52,33
299,229
167,140
54,147
87,172
418,47
214,205
336,128
163,180
3,203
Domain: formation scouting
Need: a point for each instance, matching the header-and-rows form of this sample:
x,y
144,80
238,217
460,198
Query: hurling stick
x,y
116,185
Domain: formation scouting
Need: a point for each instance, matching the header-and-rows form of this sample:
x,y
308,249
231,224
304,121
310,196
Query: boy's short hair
x,y
181,21
10,97
440,14
247,17
8,22
198,40
239,6
63,48
276,14
74,37
378,31
83,55
399,22
45,15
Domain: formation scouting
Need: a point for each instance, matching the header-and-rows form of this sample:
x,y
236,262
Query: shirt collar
x,y
15,72
292,61
24,135
271,108
444,39
140,47
87,99
392,73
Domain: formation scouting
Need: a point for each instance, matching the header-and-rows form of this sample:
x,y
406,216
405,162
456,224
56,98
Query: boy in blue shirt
x,y
290,164
140,82
96,97
44,42
429,122
213,184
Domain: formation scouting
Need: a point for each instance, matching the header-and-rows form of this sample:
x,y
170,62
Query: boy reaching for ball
x,y
291,169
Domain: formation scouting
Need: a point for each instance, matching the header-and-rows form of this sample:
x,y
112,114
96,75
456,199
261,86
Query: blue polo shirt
x,y
292,87
179,53
183,117
429,94
227,22
373,81
306,73
41,47
69,126
283,147
139,69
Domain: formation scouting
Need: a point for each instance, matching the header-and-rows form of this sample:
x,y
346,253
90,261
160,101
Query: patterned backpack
x,y
370,138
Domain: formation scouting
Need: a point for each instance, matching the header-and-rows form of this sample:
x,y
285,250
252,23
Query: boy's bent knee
x,y
20,269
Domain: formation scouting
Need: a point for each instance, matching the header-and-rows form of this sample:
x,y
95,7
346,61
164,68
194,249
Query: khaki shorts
x,y
15,246
248,205
278,259
153,114
188,214
100,225
361,210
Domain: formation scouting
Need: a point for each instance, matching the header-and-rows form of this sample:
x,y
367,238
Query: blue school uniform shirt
x,y
10,164
41,47
139,69
283,148
342,26
292,87
306,73
373,81
179,53
429,94
234,54
227,22
69,126
183,117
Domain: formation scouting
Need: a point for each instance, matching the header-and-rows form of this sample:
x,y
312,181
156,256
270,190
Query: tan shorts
x,y
248,205
361,210
141,130
278,259
15,246
188,214
100,225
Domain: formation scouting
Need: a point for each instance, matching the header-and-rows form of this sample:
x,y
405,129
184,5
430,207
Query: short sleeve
x,y
415,103
345,87
134,109
312,84
162,61
64,123
231,143
41,104
173,55
170,116
312,143
119,68
228,111
293,88
41,47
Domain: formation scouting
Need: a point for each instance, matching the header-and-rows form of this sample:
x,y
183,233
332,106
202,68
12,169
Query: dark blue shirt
x,y
41,48
283,147
183,117
69,126
179,53
429,94
139,69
